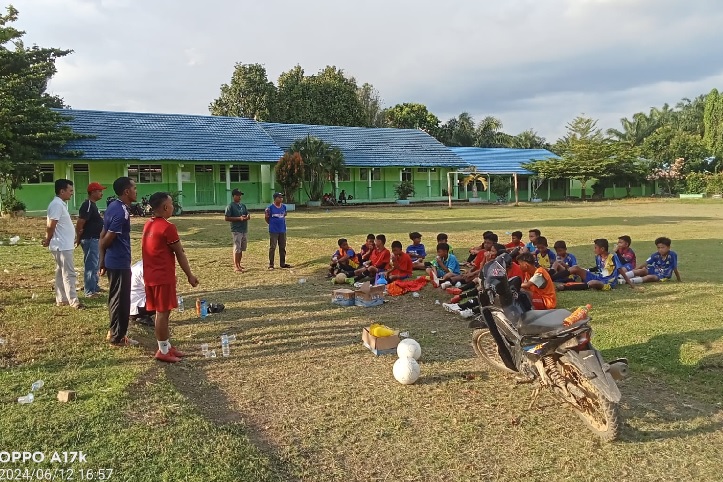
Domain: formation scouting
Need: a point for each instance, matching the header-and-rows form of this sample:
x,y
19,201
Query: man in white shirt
x,y
60,239
139,314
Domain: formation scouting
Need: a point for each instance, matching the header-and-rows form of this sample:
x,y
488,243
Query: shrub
x,y
404,189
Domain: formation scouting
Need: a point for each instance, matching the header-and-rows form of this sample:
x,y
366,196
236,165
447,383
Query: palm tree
x,y
321,162
528,140
489,132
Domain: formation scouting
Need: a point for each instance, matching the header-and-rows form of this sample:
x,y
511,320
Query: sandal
x,y
270,268
286,265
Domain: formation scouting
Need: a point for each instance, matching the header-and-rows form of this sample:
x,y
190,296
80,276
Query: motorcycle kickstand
x,y
535,396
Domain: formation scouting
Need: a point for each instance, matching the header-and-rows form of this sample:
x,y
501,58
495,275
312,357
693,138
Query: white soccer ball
x,y
406,370
409,348
340,278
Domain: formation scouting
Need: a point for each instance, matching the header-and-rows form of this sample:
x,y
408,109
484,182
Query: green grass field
x,y
301,399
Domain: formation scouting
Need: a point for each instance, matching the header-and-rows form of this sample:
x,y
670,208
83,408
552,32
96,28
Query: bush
x,y
500,186
696,183
404,189
12,204
715,184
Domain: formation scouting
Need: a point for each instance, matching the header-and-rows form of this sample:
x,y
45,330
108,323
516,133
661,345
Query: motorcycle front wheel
x,y
599,414
486,348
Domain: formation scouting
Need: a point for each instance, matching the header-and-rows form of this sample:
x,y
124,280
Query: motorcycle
x,y
535,344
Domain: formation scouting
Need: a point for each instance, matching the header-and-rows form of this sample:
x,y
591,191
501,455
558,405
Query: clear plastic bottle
x,y
181,307
29,398
225,349
37,385
231,338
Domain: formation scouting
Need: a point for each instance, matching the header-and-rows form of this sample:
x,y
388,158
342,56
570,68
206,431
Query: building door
x,y
205,189
81,179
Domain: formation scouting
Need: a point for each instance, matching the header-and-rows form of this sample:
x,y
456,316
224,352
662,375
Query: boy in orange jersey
x,y
161,248
537,283
344,260
401,262
378,260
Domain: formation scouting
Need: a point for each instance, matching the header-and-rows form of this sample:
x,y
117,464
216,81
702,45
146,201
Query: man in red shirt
x,y
378,261
402,262
161,248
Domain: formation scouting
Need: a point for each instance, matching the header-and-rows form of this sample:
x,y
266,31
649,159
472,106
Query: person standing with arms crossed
x,y
59,237
275,216
115,260
238,215
87,235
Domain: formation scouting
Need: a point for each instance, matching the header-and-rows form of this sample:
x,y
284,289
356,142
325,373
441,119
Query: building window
x,y
407,174
236,173
375,172
145,173
345,177
80,167
427,169
45,174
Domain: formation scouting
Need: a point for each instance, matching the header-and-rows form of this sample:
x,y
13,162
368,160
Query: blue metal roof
x,y
371,147
155,137
501,160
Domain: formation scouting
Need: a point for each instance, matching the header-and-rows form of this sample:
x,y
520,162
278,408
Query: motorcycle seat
x,y
537,322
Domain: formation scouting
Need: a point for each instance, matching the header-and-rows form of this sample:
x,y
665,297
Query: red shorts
x,y
161,298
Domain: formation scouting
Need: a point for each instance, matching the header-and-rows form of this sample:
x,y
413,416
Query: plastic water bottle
x,y
225,349
302,281
204,309
231,338
29,398
37,385
204,349
415,294
181,307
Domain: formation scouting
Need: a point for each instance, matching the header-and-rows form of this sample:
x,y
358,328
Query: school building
x,y
203,158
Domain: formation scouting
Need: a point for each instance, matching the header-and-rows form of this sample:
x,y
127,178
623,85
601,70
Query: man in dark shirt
x,y
87,234
115,259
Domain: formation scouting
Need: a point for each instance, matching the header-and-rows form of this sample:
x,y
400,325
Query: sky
x,y
531,63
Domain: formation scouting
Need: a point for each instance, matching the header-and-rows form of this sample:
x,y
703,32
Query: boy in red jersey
x,y
402,263
378,260
161,248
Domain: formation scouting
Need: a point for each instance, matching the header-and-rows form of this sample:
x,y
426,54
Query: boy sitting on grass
x,y
626,256
516,241
444,267
161,247
543,256
378,260
402,265
474,251
660,266
416,250
537,283
366,250
531,246
343,260
560,270
605,274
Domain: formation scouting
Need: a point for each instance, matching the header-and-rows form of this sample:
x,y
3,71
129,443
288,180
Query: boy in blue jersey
x,y
416,251
660,266
560,270
605,275
444,267
533,234
543,256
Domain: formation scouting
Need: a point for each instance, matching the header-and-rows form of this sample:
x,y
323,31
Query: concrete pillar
x,y
228,183
429,182
265,183
369,183
179,183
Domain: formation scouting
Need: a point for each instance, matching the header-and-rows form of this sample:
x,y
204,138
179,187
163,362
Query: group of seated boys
x,y
542,272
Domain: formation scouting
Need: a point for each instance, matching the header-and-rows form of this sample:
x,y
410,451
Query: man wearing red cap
x,y
87,234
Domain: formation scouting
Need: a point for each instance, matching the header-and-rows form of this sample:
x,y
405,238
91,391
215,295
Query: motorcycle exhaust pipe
x,y
618,370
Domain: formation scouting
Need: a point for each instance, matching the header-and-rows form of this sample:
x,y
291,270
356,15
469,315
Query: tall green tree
x,y
528,139
489,133
667,144
292,103
713,123
29,129
459,131
371,106
412,116
249,94
690,115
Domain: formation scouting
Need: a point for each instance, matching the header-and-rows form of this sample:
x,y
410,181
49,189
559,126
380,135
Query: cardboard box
x,y
343,297
368,295
385,345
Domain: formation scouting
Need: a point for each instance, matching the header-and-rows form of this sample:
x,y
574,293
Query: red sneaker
x,y
168,357
456,299
454,291
175,352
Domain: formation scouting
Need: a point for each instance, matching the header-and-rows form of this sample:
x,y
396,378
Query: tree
x,y
321,163
412,116
29,129
713,123
250,94
528,139
290,174
690,115
371,106
291,105
489,133
667,144
458,131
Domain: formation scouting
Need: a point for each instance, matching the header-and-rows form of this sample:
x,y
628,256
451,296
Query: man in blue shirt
x,y
275,216
115,259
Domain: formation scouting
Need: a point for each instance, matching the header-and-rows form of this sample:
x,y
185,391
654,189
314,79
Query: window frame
x,y
237,173
364,173
152,171
44,171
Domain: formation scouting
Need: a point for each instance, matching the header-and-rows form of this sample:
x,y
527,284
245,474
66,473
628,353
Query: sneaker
x,y
454,291
621,280
458,284
445,285
607,287
451,307
168,357
435,280
92,295
286,266
560,286
175,352
468,313
79,306
62,303
358,284
125,341
456,299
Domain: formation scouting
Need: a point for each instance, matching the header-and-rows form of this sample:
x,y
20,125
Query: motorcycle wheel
x,y
599,414
486,348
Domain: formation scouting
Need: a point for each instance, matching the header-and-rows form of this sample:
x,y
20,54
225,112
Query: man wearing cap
x,y
238,216
276,219
87,234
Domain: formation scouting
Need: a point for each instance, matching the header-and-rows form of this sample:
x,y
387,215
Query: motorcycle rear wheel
x,y
486,348
599,414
